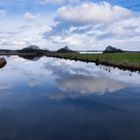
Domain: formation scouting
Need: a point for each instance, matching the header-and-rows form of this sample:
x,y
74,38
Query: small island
x,y
3,62
111,56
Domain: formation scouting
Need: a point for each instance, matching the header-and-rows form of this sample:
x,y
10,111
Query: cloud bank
x,y
82,25
93,13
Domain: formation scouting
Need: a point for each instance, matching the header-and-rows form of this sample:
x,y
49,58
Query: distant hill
x,y
111,49
32,49
65,50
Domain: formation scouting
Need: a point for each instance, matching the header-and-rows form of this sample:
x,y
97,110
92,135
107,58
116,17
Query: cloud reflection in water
x,y
82,78
88,85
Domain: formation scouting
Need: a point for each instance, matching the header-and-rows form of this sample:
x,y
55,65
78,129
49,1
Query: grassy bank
x,y
126,61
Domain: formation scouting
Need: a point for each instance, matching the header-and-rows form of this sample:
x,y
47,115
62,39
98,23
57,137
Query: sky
x,y
79,24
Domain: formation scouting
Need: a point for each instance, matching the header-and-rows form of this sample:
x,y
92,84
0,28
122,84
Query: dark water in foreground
x,y
53,99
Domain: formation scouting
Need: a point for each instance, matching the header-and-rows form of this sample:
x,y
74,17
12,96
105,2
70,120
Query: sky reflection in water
x,y
61,99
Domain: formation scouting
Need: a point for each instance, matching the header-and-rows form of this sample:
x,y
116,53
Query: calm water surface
x,y
56,99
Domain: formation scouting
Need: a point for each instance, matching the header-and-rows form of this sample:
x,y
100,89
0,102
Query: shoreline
x,y
133,67
124,61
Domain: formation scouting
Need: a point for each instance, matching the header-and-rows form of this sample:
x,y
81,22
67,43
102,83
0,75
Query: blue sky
x,y
80,24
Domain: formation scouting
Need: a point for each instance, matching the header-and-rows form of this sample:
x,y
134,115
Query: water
x,y
57,99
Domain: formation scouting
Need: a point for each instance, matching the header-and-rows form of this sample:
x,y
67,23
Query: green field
x,y
130,61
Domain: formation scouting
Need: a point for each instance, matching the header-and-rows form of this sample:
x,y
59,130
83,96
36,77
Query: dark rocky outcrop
x,y
33,50
3,62
33,47
33,53
65,50
111,49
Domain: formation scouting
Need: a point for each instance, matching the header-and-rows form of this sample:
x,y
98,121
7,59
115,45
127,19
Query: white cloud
x,y
90,26
20,33
2,12
92,13
80,25
70,40
30,17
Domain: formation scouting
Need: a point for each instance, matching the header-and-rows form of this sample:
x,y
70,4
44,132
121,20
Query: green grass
x,y
123,60
112,57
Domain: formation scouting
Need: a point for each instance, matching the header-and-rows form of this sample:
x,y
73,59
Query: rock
x,y
65,50
31,48
111,49
34,47
3,62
